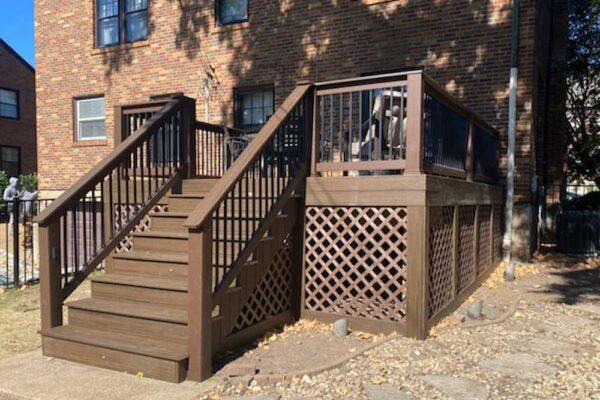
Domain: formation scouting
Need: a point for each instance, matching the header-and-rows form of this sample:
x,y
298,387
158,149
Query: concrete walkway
x,y
31,376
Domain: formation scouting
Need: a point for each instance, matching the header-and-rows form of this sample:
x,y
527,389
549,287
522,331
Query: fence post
x,y
417,275
414,134
50,275
200,302
15,218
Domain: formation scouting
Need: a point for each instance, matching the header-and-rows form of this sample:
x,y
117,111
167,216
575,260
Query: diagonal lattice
x,y
273,294
465,271
125,211
440,258
484,244
355,261
497,233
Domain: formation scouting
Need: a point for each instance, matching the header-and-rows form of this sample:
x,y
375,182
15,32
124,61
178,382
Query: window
x,y
253,107
121,21
232,11
90,119
9,103
10,160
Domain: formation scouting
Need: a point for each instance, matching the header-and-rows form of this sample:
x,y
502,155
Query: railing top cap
x,y
369,78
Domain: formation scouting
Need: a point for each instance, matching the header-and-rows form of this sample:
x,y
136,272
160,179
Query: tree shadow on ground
x,y
579,284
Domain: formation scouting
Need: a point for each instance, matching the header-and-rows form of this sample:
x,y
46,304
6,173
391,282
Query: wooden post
x,y
189,123
455,244
417,274
50,276
476,260
414,125
200,302
316,135
118,125
469,157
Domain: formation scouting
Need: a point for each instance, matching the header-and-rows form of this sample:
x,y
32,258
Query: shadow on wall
x,y
321,40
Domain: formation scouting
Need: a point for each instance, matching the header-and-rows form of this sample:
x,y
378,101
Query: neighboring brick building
x,y
17,113
464,45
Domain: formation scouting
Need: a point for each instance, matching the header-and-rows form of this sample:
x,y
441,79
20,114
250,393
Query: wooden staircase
x,y
136,318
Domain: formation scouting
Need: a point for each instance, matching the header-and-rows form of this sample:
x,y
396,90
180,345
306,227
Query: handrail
x,y
219,192
86,182
219,128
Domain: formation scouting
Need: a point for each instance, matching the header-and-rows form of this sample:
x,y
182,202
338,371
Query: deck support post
x,y
200,302
417,317
189,145
50,276
414,134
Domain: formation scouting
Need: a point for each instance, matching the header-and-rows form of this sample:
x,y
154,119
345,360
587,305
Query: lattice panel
x,y
497,234
356,261
484,244
124,211
440,257
465,273
273,294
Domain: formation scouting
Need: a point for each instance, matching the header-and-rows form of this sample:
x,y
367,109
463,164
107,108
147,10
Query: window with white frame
x,y
9,103
89,121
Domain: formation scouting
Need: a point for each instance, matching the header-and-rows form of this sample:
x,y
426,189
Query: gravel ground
x,y
546,349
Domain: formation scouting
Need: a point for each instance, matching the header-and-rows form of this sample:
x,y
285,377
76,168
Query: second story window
x,y
121,21
9,104
232,11
89,119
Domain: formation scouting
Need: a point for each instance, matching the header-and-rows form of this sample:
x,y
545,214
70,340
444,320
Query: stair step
x,y
165,283
161,241
163,256
131,309
133,354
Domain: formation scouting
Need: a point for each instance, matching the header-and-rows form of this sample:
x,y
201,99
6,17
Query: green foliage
x,y
583,95
3,183
29,181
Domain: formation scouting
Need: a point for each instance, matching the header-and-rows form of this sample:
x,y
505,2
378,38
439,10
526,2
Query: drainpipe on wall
x,y
512,128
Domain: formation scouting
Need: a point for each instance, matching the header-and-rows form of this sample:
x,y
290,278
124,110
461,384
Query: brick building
x,y
17,113
240,59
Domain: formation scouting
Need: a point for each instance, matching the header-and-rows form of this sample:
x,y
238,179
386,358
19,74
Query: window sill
x,y
235,26
90,143
120,47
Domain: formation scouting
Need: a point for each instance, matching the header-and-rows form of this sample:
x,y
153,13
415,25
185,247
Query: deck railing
x,y
389,124
213,155
223,233
127,183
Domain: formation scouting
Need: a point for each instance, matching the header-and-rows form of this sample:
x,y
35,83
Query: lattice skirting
x,y
457,256
355,261
124,211
273,294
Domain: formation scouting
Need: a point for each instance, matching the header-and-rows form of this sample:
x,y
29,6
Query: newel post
x,y
200,302
417,310
414,124
189,132
50,275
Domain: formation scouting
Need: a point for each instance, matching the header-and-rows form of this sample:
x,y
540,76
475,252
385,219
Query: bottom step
x,y
125,353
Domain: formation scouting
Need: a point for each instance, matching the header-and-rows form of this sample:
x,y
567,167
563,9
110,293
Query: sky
x,y
16,27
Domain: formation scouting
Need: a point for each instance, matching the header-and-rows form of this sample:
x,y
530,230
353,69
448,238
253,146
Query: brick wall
x,y
15,75
464,45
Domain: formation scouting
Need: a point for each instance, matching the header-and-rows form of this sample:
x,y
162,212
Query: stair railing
x,y
223,234
81,227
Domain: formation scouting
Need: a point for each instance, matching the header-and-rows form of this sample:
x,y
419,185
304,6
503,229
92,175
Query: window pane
x,y
108,8
8,96
257,100
108,31
257,116
91,129
137,26
8,111
10,154
246,101
11,169
247,117
233,11
268,99
136,5
268,112
93,108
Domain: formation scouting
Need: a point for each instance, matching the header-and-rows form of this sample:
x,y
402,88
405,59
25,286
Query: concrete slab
x,y
456,387
520,366
386,392
31,376
558,347
589,308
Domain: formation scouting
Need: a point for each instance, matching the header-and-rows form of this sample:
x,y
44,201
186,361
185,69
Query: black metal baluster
x,y
119,205
84,224
331,127
350,127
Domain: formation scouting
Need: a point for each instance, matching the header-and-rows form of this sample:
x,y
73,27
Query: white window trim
x,y
103,118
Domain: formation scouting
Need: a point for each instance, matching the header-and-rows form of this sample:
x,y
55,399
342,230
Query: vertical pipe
x,y
512,124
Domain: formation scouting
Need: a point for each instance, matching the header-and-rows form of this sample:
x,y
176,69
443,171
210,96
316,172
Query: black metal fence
x,y
572,219
19,254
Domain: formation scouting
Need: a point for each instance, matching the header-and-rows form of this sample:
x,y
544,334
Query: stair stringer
x,y
248,280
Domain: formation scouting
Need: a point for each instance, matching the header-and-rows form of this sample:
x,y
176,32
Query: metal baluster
x,y
65,241
119,210
341,127
84,224
350,126
331,127
401,139
322,135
